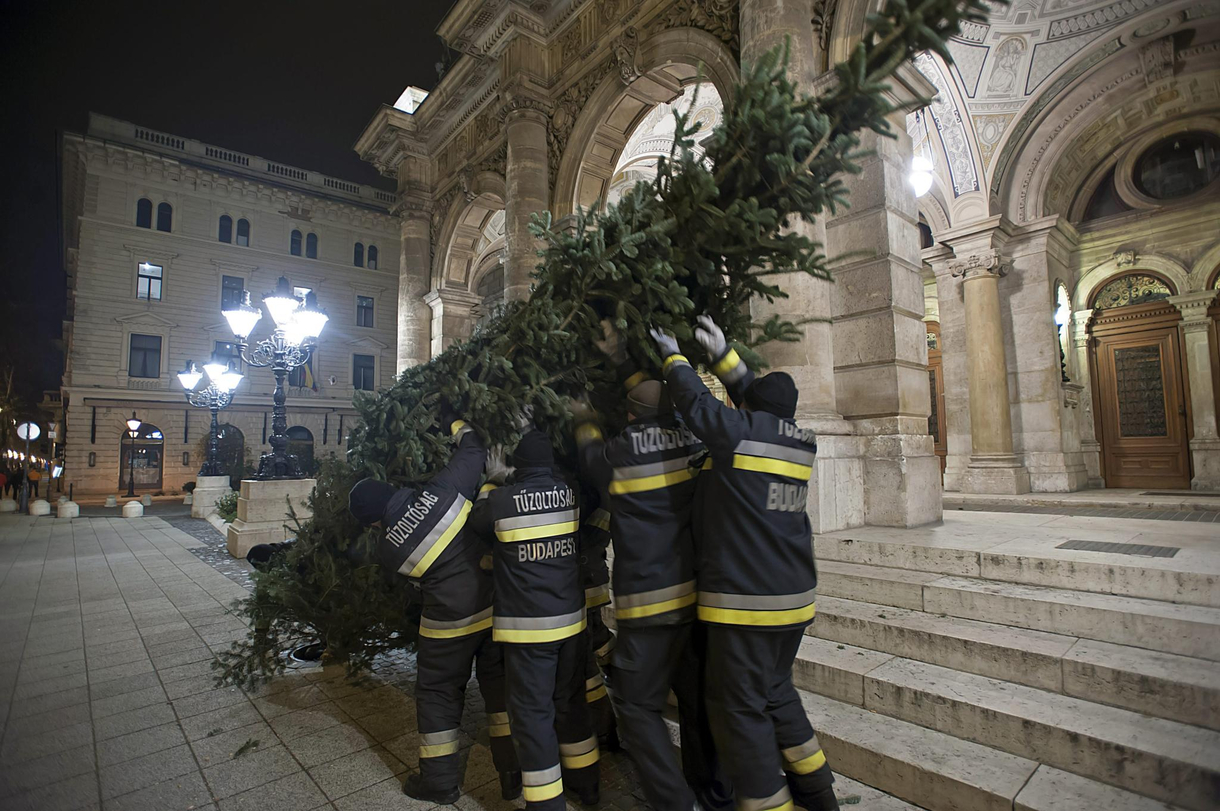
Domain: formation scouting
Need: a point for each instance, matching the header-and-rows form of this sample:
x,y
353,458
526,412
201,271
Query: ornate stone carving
x,y
823,21
567,108
948,121
717,17
439,210
1157,60
1125,259
624,55
979,265
496,162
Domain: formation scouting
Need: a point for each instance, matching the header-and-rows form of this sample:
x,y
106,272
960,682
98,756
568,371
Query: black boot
x,y
413,788
610,742
510,785
590,796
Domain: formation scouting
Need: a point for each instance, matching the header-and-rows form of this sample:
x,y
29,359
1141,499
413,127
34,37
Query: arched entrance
x,y
300,445
1138,391
231,452
148,447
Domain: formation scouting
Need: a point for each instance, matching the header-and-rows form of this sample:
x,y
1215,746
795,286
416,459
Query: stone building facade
x,y
158,231
1046,104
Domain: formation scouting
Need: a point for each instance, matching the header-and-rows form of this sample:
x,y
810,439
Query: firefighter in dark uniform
x,y
540,616
647,473
756,576
595,577
428,541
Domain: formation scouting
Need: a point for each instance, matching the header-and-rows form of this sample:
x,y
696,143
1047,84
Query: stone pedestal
x,y
8,505
133,509
207,490
188,499
262,512
146,500
68,509
111,501
40,506
1205,442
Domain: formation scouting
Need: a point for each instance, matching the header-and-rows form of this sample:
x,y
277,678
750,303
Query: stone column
x,y
414,281
1081,373
953,364
453,316
1196,349
527,189
993,467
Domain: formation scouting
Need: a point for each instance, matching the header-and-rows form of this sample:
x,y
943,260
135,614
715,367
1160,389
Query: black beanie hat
x,y
368,500
774,393
534,450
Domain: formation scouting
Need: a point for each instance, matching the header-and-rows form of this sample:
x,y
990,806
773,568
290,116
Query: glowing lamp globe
x,y
243,318
310,319
282,304
190,376
920,176
229,381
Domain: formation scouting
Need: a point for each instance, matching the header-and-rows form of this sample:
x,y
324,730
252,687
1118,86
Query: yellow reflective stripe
x,y
543,531
456,426
671,360
779,467
726,364
539,794
595,694
538,635
438,749
707,464
450,633
442,542
635,380
739,616
600,519
620,486
487,488
651,610
580,761
807,765
499,730
587,432
597,596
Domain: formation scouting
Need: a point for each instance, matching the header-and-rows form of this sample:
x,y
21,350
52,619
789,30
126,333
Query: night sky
x,y
294,81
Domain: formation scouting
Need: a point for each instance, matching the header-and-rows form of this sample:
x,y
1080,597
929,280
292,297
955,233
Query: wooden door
x,y
1139,398
936,387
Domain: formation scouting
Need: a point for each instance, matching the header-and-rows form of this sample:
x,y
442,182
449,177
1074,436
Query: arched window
x,y
358,255
1105,200
300,444
232,453
148,447
225,233
243,233
165,217
144,213
311,246
295,244
1177,166
1063,317
372,257
1134,288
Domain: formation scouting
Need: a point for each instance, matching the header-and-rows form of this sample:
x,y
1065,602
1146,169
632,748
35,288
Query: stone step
x,y
1152,579
1188,630
901,588
1163,759
1179,688
943,773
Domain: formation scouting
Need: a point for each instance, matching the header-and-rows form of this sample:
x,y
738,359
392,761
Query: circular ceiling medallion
x,y
1148,29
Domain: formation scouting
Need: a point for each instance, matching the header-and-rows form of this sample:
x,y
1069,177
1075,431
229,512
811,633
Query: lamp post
x,y
297,326
215,396
26,431
133,426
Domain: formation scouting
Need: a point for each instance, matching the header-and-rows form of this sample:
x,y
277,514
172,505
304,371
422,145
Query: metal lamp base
x,y
271,466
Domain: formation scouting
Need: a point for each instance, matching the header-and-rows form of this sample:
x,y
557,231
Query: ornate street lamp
x,y
133,426
215,396
297,326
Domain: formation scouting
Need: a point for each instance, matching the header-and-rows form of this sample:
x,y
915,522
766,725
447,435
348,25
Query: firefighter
x,y
595,577
756,576
647,471
428,541
540,616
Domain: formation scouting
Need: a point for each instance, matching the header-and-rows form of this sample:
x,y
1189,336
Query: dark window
x,y
243,233
364,311
295,244
228,354
1179,165
148,281
165,217
144,213
372,257
230,291
925,235
1105,201
311,246
225,233
302,377
358,255
363,372
144,359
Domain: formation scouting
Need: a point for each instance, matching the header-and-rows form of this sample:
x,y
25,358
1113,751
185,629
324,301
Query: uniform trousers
x,y
647,663
443,667
600,710
552,730
759,724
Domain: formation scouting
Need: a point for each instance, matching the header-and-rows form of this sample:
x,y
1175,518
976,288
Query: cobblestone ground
x,y
109,628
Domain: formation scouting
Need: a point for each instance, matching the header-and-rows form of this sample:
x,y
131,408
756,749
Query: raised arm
x,y
465,467
723,360
719,426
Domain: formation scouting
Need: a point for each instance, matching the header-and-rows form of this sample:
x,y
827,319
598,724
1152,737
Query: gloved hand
x,y
612,345
580,410
525,418
496,467
666,344
710,337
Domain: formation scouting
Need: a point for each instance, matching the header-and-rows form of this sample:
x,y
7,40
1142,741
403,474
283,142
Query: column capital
x,y
524,100
1193,307
983,264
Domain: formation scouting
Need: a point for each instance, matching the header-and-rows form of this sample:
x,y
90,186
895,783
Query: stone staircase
x,y
958,680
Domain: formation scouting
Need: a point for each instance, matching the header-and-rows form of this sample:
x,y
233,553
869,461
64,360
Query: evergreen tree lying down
x,y
707,235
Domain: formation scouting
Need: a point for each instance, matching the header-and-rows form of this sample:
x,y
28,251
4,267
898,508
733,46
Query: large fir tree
x,y
707,235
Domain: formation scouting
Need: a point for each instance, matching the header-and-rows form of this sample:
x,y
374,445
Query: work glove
x,y
612,344
580,410
496,468
666,344
524,419
710,337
